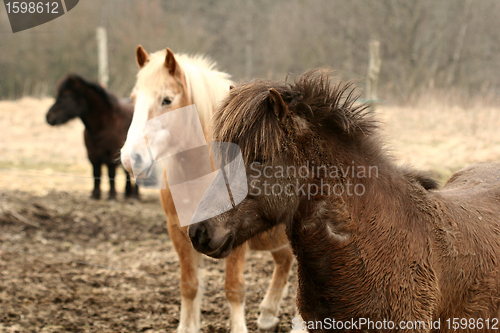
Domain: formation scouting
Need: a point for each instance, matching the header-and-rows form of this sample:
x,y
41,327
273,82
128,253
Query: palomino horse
x,y
376,251
164,83
106,123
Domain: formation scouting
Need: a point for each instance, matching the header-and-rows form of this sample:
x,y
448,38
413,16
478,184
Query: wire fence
x,y
40,173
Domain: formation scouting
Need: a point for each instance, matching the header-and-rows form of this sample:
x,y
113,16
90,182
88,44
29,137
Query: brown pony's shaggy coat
x,y
397,252
106,123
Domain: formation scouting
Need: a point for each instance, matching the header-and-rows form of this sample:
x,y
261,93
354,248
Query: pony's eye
x,y
166,101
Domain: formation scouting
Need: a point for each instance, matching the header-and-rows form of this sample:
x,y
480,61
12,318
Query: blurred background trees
x,y
425,45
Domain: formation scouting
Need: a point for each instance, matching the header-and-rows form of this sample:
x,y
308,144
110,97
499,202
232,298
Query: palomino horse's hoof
x,y
190,329
298,330
268,323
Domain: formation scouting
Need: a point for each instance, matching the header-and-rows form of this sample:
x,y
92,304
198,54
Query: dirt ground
x,y
71,264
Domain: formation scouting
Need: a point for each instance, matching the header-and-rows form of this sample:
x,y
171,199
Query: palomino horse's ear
x,y
170,62
277,103
141,56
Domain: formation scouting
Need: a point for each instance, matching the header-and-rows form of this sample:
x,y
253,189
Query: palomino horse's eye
x,y
166,101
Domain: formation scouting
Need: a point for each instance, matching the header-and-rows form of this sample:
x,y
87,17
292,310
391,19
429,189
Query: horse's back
x,y
476,182
468,234
474,191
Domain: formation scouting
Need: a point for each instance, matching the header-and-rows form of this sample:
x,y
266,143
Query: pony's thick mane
x,y
326,109
207,86
68,83
330,108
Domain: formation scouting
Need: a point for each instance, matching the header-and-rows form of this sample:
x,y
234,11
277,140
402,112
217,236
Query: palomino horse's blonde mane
x,y
201,77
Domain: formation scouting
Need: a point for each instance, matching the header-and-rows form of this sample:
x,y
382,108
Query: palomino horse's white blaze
x,y
141,112
165,83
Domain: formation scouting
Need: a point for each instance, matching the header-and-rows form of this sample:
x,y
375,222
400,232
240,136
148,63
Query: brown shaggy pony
x,y
372,243
106,123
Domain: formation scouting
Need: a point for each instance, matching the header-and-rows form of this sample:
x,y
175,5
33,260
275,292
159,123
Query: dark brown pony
x,y
372,243
106,123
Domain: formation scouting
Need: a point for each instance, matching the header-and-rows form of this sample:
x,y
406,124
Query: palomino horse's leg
x,y
112,175
96,193
235,288
189,260
297,323
270,306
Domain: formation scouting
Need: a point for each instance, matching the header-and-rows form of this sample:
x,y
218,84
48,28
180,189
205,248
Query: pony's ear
x,y
141,56
170,62
277,103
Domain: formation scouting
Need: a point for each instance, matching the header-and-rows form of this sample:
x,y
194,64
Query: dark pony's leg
x,y
128,185
131,192
112,174
136,191
96,193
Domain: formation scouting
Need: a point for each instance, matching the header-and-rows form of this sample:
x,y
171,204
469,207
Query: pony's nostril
x,y
199,235
202,235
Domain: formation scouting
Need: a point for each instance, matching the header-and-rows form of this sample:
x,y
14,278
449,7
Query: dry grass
x,y
39,158
433,136
442,138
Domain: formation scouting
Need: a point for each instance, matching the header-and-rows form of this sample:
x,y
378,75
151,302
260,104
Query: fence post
x,y
249,41
373,71
102,49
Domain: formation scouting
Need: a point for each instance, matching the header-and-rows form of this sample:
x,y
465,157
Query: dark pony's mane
x,y
317,108
71,81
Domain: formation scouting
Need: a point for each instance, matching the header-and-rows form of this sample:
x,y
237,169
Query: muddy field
x,y
71,264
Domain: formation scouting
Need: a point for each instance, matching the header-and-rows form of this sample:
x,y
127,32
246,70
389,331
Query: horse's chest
x,y
101,145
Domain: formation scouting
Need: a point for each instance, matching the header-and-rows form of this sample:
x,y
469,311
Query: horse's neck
x,y
206,91
339,240
353,185
96,111
354,191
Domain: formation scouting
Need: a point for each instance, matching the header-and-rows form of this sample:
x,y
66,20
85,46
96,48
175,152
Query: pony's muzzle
x,y
210,241
51,118
126,162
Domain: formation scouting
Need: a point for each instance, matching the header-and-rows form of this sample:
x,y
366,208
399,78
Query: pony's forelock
x,y
315,105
